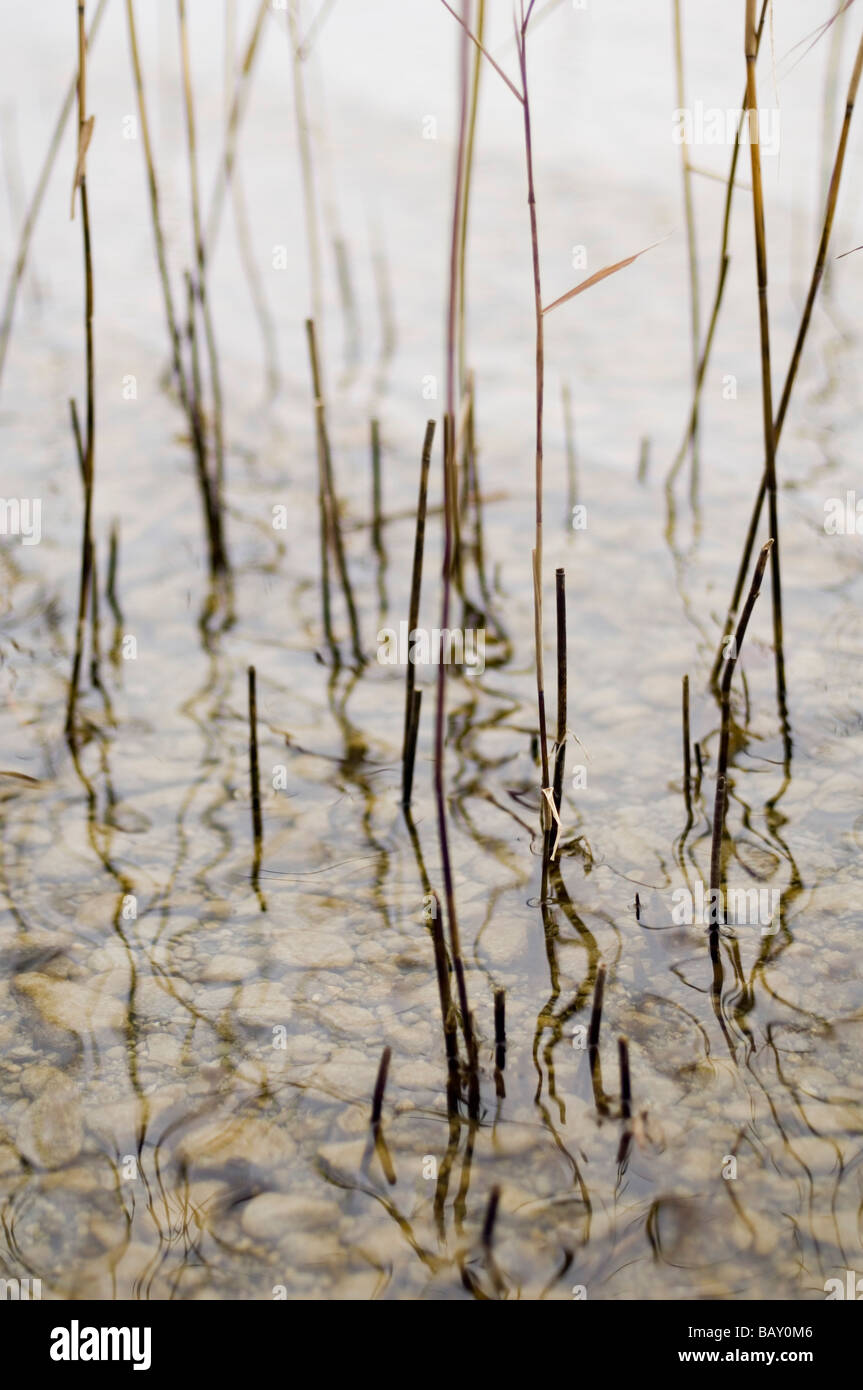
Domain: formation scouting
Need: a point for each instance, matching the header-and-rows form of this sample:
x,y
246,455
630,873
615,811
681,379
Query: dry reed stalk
x,y
236,95
332,533
625,1083
720,802
547,808
569,444
699,765
200,263
19,264
687,765
85,128
212,513
377,517
751,51
490,1218
89,578
625,1101
153,189
380,1086
448,1016
195,388
689,211
724,260
450,503
797,353
499,1042
560,753
409,752
93,580
439,744
255,779
468,175
593,1040
191,407
412,704
111,591
235,115
377,1109
376,486
304,140
540,390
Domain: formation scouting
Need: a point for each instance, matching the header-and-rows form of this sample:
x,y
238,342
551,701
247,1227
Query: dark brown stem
x,y
500,1028
560,753
410,747
87,541
715,910
216,484
412,711
593,1040
687,765
796,356
450,501
380,1086
442,970
254,778
332,527
490,1218
625,1085
377,1107
751,48
540,383
16,273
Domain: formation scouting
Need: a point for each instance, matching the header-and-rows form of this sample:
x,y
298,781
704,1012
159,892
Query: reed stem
x,y
687,765
200,263
254,778
500,1029
412,712
625,1084
715,910
797,353
19,264
540,387
332,527
87,539
560,753
751,49
450,503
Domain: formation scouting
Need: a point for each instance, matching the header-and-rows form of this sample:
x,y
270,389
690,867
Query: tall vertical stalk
x,y
306,168
468,174
721,799
540,387
797,353
450,502
16,273
751,48
84,130
689,210
201,277
411,715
